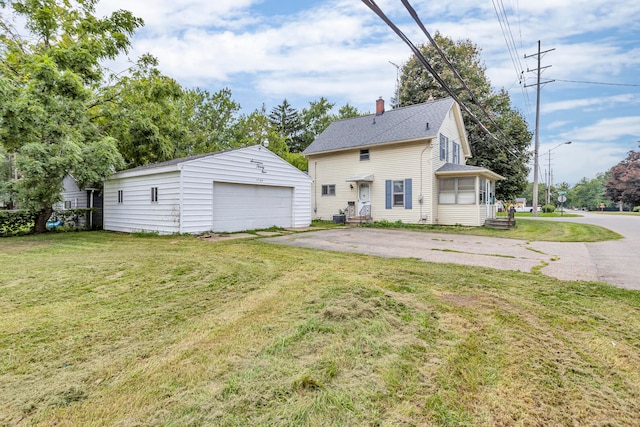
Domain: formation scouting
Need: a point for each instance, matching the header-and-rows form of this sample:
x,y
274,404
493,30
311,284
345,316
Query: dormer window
x,y
364,154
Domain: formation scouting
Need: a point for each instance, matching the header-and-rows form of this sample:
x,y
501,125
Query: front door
x,y
364,199
487,192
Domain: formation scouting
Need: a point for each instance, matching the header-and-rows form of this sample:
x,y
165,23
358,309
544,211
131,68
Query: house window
x,y
120,196
444,148
154,194
67,204
482,191
329,190
455,148
364,154
458,191
398,193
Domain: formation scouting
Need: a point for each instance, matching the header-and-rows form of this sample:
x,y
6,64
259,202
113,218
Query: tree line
x,y
617,188
63,113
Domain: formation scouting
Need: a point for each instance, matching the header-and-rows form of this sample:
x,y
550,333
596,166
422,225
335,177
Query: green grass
x,y
616,213
556,214
526,229
112,329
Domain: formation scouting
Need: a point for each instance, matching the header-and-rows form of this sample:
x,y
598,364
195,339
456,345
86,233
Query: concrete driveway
x,y
614,262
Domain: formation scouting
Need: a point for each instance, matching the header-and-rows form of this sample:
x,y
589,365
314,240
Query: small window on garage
x,y
67,204
364,154
329,190
120,196
154,194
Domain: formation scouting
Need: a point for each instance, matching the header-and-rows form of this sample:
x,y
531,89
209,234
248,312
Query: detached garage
x,y
243,189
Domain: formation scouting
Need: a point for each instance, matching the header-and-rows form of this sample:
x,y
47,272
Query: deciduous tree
x,y
50,82
507,156
623,184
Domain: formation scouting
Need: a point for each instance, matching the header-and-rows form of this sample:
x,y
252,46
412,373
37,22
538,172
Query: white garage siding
x,y
137,212
238,207
190,184
254,166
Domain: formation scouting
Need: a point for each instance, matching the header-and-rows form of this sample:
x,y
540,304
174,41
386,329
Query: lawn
x,y
100,328
526,229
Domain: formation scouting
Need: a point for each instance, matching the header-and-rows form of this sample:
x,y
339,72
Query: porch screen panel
x,y
447,191
466,191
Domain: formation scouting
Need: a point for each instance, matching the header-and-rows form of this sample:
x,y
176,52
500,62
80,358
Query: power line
x,y
598,83
475,100
376,9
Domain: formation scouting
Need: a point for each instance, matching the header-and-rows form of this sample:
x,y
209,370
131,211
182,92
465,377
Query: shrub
x,y
548,208
72,218
16,222
636,209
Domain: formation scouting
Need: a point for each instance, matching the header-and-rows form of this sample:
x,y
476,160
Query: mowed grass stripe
x,y
110,329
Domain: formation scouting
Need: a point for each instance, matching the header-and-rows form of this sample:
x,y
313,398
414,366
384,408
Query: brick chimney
x,y
379,106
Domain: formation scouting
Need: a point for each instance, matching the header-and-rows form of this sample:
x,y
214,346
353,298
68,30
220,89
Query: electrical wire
x,y
598,83
475,100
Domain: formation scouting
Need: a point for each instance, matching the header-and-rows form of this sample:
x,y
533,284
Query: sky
x,y
267,50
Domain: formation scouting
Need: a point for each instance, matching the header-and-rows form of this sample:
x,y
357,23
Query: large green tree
x,y
141,110
209,119
623,183
510,153
50,79
315,119
589,193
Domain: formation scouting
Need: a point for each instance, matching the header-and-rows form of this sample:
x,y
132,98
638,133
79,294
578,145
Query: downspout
x,y
91,211
315,187
421,197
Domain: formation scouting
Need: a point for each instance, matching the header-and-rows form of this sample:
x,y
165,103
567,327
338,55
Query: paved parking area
x,y
614,262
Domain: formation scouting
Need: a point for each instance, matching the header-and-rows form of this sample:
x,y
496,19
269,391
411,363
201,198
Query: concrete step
x,y
500,223
359,220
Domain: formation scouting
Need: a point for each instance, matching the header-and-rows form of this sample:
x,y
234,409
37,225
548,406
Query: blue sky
x,y
265,51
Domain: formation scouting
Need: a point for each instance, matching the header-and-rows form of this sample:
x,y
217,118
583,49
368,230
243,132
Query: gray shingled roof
x,y
177,161
451,168
400,124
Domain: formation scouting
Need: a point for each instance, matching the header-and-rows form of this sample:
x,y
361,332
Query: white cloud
x,y
608,130
601,103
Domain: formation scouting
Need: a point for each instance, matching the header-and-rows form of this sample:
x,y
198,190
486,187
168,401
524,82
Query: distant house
x,y
406,164
521,203
74,197
244,189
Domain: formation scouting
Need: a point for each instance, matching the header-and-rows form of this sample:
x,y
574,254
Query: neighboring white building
x,y
244,189
74,197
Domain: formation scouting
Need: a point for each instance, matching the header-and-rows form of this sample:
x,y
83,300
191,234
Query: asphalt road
x,y
614,262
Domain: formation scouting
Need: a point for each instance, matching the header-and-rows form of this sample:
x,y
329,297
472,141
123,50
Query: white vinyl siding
x,y
185,191
72,196
136,212
391,162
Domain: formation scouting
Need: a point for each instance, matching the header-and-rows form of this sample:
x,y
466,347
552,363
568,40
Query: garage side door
x,y
238,207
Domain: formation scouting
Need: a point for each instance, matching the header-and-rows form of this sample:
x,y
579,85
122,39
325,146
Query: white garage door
x,y
238,207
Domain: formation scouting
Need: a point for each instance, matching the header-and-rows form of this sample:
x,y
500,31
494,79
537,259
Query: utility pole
x,y
537,143
396,101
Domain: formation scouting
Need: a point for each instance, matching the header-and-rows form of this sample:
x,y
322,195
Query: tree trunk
x,y
42,217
